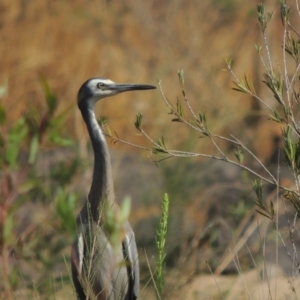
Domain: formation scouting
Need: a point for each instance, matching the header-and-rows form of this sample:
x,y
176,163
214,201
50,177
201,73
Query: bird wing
x,y
131,255
77,265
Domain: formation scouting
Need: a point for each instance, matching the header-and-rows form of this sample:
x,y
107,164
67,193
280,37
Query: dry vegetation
x,y
67,42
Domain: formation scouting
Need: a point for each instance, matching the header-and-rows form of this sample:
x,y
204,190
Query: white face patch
x,y
92,84
96,92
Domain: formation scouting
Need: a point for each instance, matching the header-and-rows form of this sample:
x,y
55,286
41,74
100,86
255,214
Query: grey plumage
x,y
99,270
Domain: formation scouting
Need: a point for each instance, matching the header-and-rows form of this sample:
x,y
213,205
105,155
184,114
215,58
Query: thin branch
x,y
292,27
293,78
248,91
186,154
202,130
297,5
268,51
152,275
263,62
285,68
190,107
214,277
172,109
256,158
236,262
167,102
295,263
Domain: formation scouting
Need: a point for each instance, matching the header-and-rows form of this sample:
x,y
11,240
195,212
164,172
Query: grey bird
x,y
100,270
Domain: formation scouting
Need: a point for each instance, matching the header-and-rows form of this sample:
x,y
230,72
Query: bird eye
x,y
101,85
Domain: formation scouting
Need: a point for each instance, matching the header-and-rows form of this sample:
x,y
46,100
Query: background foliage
x,y
48,49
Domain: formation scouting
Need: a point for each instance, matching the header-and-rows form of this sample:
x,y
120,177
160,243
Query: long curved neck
x,y
102,184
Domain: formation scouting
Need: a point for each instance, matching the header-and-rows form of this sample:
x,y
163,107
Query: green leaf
x,y
245,85
2,115
275,84
276,117
3,90
294,199
181,77
263,214
291,149
64,170
272,209
2,141
179,109
161,143
55,138
239,155
102,121
27,186
32,118
292,47
64,209
263,17
51,98
161,147
229,62
8,229
257,186
161,237
115,220
262,208
258,48
138,122
201,122
176,120
284,12
125,208
15,137
33,150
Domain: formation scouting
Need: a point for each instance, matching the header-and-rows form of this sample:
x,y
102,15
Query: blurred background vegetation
x,y
48,49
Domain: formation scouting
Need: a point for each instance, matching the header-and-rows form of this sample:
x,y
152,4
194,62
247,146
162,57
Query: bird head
x,y
95,89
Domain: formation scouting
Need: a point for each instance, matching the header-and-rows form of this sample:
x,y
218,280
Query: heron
x,y
99,270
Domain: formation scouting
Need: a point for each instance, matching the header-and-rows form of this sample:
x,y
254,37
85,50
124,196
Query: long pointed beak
x,y
123,87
